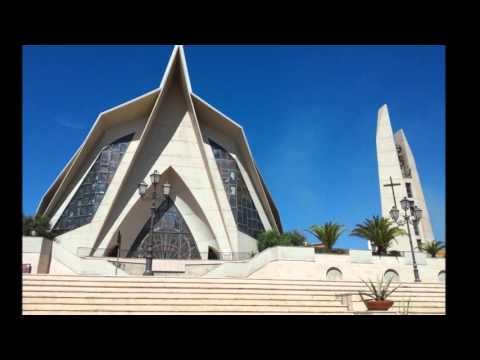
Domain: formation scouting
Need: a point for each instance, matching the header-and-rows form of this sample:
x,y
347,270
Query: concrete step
x,y
175,295
211,290
70,294
52,312
176,285
155,279
208,295
254,302
419,310
184,308
423,304
207,301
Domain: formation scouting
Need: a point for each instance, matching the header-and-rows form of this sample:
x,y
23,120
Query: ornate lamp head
x,y
394,213
142,188
166,189
155,177
405,203
417,212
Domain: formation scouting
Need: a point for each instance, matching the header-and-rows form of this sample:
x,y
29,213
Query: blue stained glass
x,y
85,202
172,238
243,208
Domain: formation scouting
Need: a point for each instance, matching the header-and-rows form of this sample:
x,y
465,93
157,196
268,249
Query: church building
x,y
171,154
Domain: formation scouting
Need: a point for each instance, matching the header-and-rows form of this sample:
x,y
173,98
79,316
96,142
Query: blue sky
x,y
309,113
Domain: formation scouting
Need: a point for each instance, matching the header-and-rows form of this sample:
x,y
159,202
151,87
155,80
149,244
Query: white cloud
x,y
65,122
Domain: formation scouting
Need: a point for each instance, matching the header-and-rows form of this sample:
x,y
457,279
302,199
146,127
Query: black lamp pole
x,y
414,217
415,268
142,189
149,254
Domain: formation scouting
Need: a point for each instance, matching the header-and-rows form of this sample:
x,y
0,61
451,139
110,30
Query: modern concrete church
x,y
211,198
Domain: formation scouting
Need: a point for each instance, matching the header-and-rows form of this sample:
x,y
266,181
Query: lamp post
x,y
415,216
142,188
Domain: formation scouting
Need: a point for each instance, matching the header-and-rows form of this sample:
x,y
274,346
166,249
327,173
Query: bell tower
x,y
399,178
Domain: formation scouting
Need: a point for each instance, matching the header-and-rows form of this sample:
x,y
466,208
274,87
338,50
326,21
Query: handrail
x,y
125,253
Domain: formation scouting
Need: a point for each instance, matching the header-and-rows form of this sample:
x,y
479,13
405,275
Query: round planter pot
x,y
379,305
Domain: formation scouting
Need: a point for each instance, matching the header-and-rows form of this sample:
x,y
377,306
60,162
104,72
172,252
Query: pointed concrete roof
x,y
178,55
383,115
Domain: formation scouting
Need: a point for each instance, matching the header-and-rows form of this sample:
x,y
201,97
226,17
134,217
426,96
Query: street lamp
x,y
415,216
142,189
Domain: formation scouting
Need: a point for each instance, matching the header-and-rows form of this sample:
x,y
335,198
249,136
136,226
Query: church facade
x,y
399,178
217,201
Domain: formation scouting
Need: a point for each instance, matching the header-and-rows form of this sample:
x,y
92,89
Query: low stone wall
x,y
47,256
31,250
176,268
298,263
243,269
274,263
358,265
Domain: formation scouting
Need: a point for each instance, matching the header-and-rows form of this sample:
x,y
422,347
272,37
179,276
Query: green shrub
x,y
294,238
273,238
40,224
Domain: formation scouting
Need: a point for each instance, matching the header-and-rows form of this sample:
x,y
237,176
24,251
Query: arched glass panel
x,y
84,204
441,276
241,203
172,238
391,274
334,274
212,254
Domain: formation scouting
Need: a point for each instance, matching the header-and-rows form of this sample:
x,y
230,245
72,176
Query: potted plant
x,y
378,295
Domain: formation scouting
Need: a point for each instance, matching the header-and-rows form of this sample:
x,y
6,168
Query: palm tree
x,y
327,233
380,231
433,247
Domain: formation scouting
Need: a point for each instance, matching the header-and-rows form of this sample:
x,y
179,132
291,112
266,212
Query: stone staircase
x,y
136,295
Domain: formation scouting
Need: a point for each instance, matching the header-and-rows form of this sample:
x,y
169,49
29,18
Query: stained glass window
x,y
172,238
409,190
244,210
406,172
85,202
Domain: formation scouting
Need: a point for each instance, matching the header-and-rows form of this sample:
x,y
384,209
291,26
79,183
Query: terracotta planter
x,y
378,305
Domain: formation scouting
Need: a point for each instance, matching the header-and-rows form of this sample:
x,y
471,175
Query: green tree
x,y
273,238
327,233
294,238
39,224
380,231
433,247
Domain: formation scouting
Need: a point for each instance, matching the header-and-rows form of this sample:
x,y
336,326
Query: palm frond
x,y
327,234
379,231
